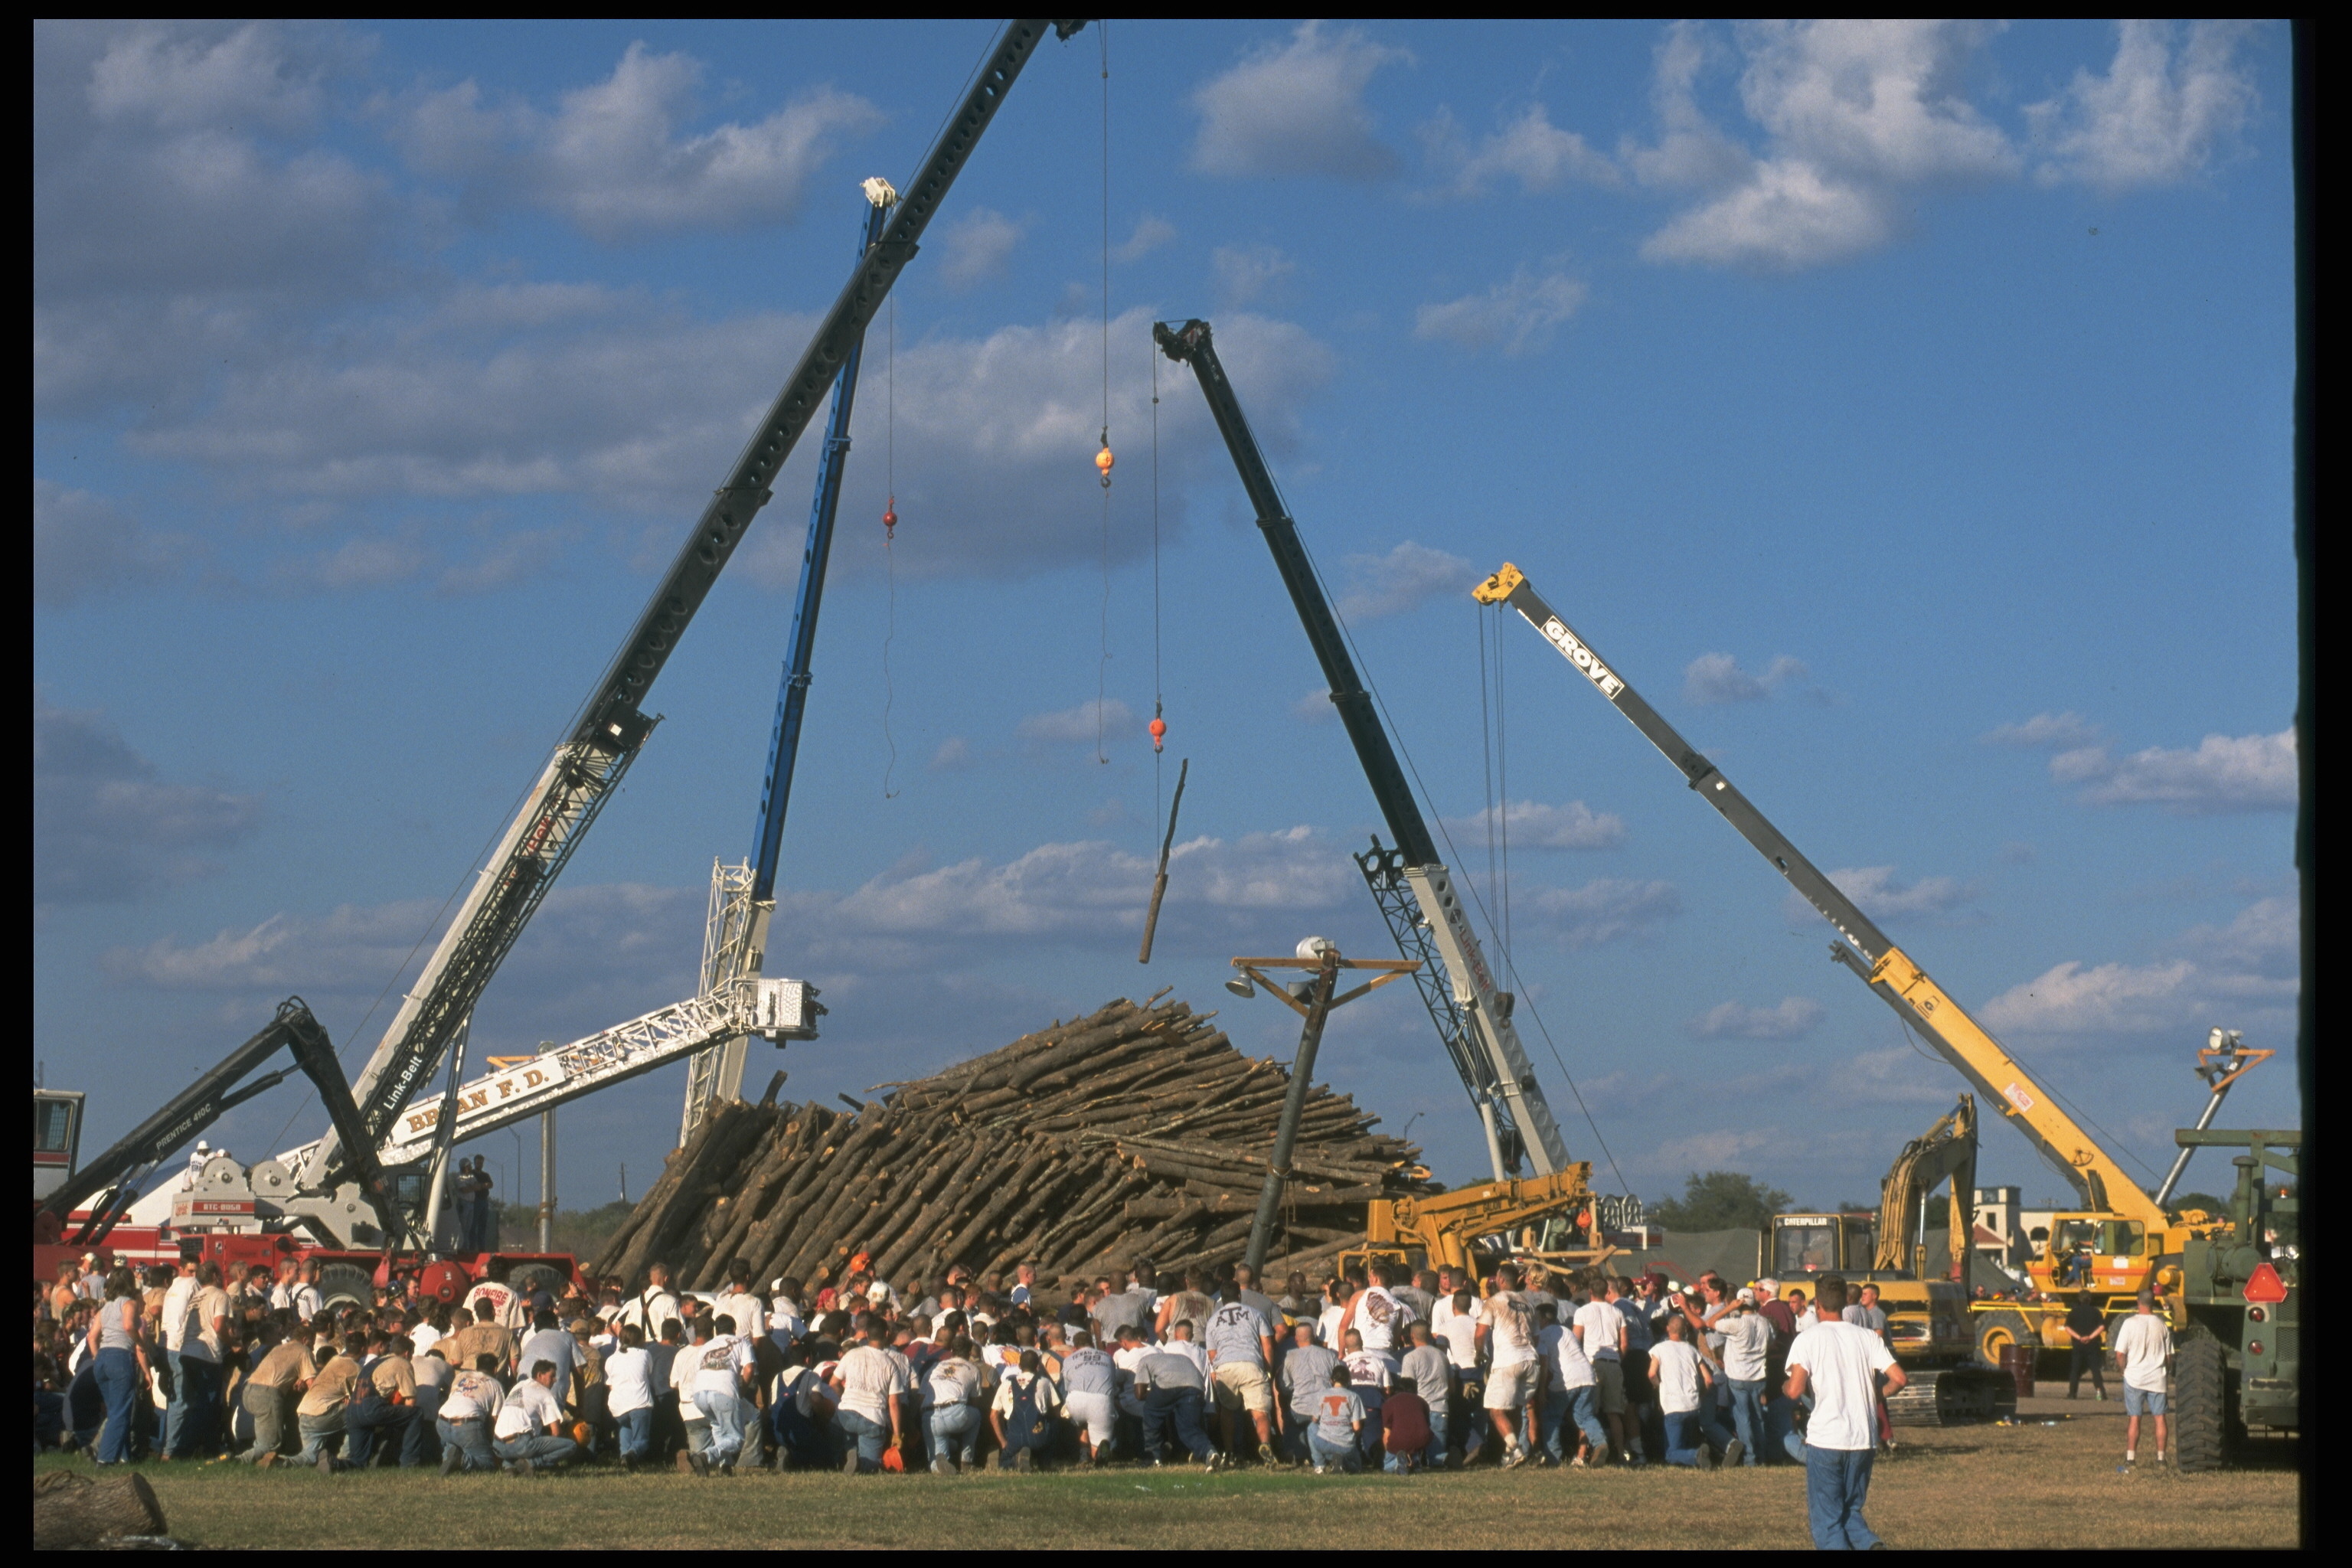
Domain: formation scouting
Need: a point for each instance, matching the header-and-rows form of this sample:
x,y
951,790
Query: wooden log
x,y
700,1178
934,1214
800,1152
73,1509
617,1256
832,1201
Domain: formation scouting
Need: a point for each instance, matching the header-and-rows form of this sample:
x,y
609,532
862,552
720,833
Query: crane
x,y
1472,1015
611,724
2131,1222
743,896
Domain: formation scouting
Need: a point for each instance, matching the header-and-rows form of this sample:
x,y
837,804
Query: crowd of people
x,y
1375,1369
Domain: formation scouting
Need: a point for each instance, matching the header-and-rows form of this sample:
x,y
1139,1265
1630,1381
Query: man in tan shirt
x,y
384,1405
321,1414
483,1336
284,1370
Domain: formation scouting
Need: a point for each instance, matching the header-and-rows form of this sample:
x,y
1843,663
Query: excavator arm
x,y
2103,1184
1946,1148
1445,1225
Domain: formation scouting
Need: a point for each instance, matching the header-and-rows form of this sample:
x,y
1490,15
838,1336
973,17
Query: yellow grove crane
x,y
2130,1239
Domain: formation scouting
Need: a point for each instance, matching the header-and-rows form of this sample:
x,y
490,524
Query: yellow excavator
x,y
1553,1220
2121,1238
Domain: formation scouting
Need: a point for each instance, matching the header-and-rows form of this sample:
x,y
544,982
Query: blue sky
x,y
1904,409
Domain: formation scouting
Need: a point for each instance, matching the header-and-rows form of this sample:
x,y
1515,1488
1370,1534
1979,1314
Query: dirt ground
x,y
2053,1480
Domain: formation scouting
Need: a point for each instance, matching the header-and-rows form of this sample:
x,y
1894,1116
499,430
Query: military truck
x,y
2234,1300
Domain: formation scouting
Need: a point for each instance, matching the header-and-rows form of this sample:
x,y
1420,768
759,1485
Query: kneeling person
x,y
529,1434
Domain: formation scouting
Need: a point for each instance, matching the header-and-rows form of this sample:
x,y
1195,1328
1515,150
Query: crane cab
x,y
57,1139
2095,1252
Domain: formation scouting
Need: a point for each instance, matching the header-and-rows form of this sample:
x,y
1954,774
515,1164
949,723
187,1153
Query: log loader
x,y
2121,1239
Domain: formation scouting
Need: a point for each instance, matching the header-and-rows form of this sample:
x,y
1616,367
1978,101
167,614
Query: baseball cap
x,y
1747,1295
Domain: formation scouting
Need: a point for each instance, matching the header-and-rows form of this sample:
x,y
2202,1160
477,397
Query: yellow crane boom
x,y
2103,1184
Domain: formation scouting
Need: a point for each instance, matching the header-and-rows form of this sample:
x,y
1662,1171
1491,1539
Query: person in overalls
x,y
1023,1415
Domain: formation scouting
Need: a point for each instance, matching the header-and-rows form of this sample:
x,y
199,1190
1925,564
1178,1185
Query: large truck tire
x,y
2200,1415
346,1282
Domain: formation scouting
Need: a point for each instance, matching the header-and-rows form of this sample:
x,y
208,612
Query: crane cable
x,y
1103,458
889,529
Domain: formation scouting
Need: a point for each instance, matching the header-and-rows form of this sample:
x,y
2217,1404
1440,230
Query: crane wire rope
x,y
1159,693
1405,752
1102,663
889,527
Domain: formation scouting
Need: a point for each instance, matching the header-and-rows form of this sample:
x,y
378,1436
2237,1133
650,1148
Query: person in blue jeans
x,y
954,1387
1839,1365
119,1363
1339,1423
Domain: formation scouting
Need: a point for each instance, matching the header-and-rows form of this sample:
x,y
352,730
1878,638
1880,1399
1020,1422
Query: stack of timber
x,y
1136,1131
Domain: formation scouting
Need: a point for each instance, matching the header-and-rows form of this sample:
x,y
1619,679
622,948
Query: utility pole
x,y
1313,1001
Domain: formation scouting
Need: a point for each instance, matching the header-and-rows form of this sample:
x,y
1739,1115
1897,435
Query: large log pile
x,y
1135,1131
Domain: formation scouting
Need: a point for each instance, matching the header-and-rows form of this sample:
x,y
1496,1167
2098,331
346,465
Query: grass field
x,y
1983,1487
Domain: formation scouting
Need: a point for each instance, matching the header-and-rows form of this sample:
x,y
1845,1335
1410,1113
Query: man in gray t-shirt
x,y
1171,1386
1120,1310
1305,1374
1425,1370
1245,1287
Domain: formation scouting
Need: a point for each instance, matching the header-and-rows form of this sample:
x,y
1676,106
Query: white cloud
x,y
1250,272
107,828
1604,911
1529,150
977,246
1854,114
612,157
1150,232
954,752
1713,679
2224,773
85,545
1884,896
2064,731
1516,315
2242,975
1108,719
1404,578
1314,707
1533,825
2152,119
1297,108
1792,1018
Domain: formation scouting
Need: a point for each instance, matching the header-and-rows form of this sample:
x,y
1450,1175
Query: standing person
x,y
173,1316
1779,1416
1512,1372
1192,1304
737,1302
1644,1431
1454,1323
1839,1365
550,1343
2143,1354
1420,1293
722,1372
1240,1341
1600,1331
1747,1342
486,1208
1572,1396
118,1350
203,1342
2086,1335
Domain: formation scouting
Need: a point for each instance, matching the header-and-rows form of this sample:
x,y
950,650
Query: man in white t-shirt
x,y
722,1371
870,1381
1513,1375
1454,1325
1840,1365
179,1307
630,1397
530,1424
2143,1353
737,1302
1685,1380
654,1306
1747,1342
1571,1393
1600,1331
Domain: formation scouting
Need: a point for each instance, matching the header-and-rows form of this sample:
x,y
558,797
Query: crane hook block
x,y
1103,460
890,519
1159,733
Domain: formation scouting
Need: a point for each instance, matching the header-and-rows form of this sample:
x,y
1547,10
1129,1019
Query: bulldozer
x,y
1927,1320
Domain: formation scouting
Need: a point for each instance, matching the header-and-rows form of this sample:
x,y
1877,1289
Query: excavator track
x,y
1953,1396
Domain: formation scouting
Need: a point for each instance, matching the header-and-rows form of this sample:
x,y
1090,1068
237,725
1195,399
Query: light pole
x,y
1312,1000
